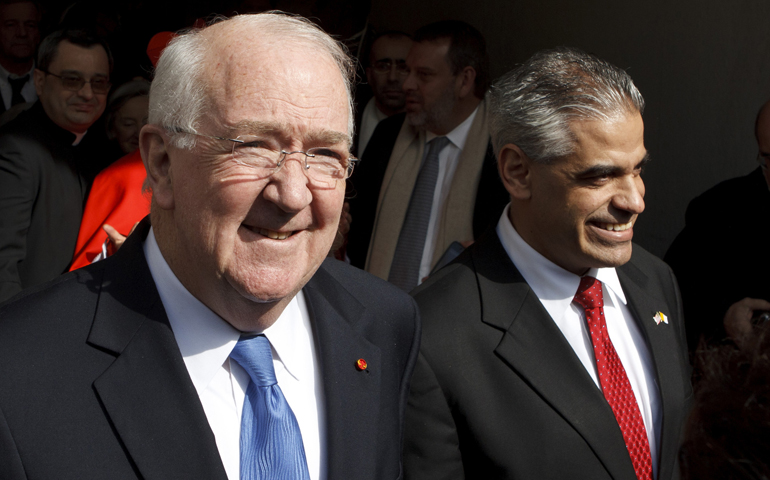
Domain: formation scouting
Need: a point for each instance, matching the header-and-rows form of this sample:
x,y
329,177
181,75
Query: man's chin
x,y
416,119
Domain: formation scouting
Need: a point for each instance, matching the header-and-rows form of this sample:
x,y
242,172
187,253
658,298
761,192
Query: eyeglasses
x,y
323,165
386,64
75,83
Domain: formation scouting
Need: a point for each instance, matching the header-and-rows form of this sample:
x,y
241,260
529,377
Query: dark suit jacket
x,y
498,393
92,384
44,181
367,181
722,255
42,193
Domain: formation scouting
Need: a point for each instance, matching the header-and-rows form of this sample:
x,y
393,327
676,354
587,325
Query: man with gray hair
x,y
218,343
554,348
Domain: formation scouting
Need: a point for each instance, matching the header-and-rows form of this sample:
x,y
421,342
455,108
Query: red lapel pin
x,y
361,364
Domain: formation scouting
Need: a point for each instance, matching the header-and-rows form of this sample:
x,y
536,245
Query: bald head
x,y
200,65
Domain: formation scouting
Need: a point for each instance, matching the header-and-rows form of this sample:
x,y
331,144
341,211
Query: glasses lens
x,y
382,66
100,85
326,166
72,82
252,152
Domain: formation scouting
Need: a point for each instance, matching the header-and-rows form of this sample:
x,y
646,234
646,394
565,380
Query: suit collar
x,y
350,395
146,392
533,346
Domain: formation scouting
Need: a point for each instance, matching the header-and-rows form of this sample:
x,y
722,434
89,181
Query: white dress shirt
x,y
206,340
555,288
27,91
371,117
448,159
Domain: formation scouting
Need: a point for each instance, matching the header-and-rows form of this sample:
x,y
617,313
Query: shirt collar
x,y
5,73
459,135
206,340
553,285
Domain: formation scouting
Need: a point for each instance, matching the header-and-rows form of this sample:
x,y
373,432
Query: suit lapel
x,y
351,396
665,350
397,185
456,220
147,393
535,348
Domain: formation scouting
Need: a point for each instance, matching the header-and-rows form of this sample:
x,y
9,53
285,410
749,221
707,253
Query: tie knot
x,y
254,355
436,145
589,293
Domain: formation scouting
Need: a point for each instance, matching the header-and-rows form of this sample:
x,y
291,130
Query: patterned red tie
x,y
613,379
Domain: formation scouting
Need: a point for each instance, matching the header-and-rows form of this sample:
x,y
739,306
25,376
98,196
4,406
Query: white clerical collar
x,y
205,340
78,137
553,285
459,135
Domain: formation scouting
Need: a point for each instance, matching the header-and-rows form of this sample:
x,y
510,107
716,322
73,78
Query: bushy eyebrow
x,y
610,170
316,137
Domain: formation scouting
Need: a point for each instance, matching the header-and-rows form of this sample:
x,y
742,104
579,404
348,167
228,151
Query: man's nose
x,y
86,91
288,187
409,83
393,73
630,196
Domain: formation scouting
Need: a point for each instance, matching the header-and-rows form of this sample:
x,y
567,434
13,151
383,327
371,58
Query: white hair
x,y
532,106
178,96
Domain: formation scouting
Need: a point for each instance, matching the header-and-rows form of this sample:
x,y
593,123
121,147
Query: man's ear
x,y
515,169
467,81
154,143
38,78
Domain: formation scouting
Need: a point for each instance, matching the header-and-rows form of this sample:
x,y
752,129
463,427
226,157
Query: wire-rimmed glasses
x,y
385,65
324,166
75,83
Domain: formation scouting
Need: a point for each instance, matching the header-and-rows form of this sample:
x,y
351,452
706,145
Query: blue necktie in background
x,y
271,442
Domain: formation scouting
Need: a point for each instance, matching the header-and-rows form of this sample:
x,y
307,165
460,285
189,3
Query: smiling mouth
x,y
272,234
615,227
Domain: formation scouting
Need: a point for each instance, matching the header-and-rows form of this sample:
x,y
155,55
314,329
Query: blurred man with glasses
x,y
47,161
386,74
726,234
219,341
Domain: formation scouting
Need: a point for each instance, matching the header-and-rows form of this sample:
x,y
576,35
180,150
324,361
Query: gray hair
x,y
178,96
532,106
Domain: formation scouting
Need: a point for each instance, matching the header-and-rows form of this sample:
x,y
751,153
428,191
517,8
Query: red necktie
x,y
613,379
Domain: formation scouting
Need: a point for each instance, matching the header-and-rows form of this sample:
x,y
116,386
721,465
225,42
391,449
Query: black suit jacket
x,y
366,182
44,182
92,384
498,393
722,256
42,193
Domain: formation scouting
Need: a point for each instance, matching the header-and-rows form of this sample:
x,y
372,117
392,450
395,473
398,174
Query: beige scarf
x,y
456,221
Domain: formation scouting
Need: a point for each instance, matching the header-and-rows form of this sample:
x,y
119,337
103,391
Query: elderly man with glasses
x,y
219,341
47,161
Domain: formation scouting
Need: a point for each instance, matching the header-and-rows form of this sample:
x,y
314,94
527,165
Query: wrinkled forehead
x,y
272,81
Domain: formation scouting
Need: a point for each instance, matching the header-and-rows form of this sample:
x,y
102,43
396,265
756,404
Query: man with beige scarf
x,y
428,177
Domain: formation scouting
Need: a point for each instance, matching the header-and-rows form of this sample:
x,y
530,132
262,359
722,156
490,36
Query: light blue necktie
x,y
271,442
